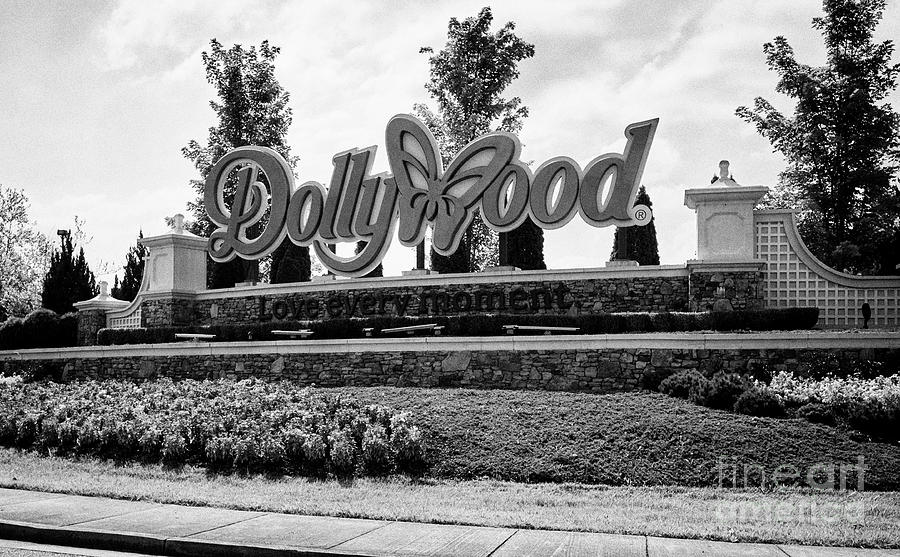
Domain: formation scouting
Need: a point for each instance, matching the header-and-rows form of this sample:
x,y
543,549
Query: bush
x,y
682,383
816,412
223,425
868,405
720,392
485,325
759,401
41,328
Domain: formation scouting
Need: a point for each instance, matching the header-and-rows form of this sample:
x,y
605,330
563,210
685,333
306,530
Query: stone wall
x,y
577,369
167,311
89,322
741,289
643,293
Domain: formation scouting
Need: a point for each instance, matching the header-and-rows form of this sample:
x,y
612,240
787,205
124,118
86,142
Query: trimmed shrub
x,y
759,402
720,392
816,412
875,416
682,383
868,405
41,328
485,325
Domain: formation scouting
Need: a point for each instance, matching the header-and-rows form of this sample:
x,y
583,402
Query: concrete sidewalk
x,y
154,528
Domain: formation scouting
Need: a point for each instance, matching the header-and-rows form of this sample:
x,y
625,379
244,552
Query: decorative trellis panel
x,y
128,321
795,278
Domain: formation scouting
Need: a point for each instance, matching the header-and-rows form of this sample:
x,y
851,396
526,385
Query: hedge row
x,y
249,426
489,325
41,328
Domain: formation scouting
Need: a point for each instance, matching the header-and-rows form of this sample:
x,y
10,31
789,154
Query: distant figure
x,y
867,314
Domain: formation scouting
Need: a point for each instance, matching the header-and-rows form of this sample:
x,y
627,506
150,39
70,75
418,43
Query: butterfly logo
x,y
430,195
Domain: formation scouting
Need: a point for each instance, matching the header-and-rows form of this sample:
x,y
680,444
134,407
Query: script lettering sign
x,y
486,176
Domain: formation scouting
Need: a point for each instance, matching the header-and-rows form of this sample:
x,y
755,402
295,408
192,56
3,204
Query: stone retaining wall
x,y
521,364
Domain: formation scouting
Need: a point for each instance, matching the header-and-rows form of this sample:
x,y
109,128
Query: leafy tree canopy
x,y
468,78
24,256
842,143
252,109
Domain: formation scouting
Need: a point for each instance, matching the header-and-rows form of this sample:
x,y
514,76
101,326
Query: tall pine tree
x,y
68,280
134,272
641,240
252,109
468,77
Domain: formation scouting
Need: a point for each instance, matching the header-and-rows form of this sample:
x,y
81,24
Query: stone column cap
x,y
101,301
696,196
179,237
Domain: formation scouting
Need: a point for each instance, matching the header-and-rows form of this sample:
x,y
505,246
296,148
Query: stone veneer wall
x,y
421,362
599,295
167,311
742,288
89,322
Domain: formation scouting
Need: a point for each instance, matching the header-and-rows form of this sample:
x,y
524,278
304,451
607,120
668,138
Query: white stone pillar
x,y
725,230
726,273
176,262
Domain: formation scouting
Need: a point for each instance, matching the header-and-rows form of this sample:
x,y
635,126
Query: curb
x,y
79,537
136,542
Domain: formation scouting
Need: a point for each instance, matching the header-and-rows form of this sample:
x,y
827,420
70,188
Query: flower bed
x,y
224,425
861,399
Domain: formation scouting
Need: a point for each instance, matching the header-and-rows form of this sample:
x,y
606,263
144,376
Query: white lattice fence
x,y
130,321
794,277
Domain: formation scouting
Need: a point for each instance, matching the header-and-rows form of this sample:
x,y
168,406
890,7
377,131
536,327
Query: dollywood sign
x,y
486,175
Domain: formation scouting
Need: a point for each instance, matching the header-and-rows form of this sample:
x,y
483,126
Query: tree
x,y
69,279
641,240
468,77
842,143
134,272
24,256
252,110
377,271
290,263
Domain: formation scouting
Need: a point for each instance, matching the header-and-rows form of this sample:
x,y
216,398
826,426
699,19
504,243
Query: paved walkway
x,y
73,520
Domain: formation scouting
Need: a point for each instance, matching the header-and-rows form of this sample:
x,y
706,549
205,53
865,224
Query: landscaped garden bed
x,y
223,425
636,438
864,396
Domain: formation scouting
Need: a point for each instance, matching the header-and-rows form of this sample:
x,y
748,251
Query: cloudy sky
x,y
98,98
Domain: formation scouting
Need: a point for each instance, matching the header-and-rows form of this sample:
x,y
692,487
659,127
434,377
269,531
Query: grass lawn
x,y
864,519
636,439
535,459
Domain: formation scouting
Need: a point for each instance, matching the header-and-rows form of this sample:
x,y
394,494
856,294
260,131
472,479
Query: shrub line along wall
x,y
596,363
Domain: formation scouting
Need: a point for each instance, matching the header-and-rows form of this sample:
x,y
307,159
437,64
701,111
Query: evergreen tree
x,y
252,109
641,240
134,272
377,271
68,280
290,263
842,143
467,79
